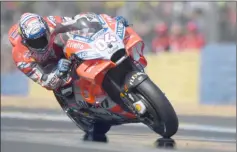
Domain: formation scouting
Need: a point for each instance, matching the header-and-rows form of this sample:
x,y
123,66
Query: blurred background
x,y
190,46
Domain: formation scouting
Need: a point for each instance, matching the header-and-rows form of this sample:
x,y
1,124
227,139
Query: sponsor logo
x,y
35,74
82,54
135,76
75,45
120,30
23,65
54,80
140,107
79,38
88,54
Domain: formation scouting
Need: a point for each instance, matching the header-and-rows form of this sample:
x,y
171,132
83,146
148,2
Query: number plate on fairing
x,y
102,45
107,44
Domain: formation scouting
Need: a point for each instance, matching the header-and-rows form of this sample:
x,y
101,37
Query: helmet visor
x,y
39,43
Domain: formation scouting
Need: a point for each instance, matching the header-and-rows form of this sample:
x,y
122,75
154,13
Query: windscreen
x,y
86,27
83,26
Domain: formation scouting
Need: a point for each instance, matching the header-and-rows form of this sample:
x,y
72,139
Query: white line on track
x,y
58,117
77,131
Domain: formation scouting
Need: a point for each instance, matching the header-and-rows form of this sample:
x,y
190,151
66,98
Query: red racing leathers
x,y
41,70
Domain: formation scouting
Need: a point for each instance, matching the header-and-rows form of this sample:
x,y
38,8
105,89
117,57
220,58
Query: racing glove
x,y
63,67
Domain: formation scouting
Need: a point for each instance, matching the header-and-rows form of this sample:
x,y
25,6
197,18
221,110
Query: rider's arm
x,y
52,21
50,80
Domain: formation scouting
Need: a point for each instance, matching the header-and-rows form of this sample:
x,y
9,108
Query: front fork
x,y
129,98
134,103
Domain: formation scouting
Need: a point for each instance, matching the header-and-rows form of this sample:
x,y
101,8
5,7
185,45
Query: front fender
x,y
133,79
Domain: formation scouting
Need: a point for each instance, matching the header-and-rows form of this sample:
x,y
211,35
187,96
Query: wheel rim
x,y
151,113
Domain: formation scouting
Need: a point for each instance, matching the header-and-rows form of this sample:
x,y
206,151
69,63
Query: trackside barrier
x,y
177,75
218,74
14,84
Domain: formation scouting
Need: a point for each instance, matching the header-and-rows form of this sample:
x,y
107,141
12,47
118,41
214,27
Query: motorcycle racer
x,y
31,52
109,87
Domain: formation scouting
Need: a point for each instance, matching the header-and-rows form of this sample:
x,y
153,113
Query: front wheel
x,y
163,117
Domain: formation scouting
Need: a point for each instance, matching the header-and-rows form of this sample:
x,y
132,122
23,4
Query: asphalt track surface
x,y
19,134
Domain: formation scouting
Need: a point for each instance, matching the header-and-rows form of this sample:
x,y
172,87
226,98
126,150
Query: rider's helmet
x,y
35,33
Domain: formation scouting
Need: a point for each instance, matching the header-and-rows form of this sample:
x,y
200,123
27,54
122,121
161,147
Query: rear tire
x,y
156,100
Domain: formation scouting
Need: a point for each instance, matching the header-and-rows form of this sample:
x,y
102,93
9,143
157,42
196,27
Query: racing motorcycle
x,y
109,82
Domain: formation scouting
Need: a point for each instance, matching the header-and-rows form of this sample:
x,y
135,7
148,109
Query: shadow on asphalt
x,y
167,143
95,138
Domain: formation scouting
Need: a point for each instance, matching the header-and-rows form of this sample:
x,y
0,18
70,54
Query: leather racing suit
x,y
40,70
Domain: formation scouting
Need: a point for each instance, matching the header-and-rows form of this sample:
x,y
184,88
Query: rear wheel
x,y
160,111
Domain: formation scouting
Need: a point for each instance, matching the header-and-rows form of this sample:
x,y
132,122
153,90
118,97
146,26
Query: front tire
x,y
163,112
